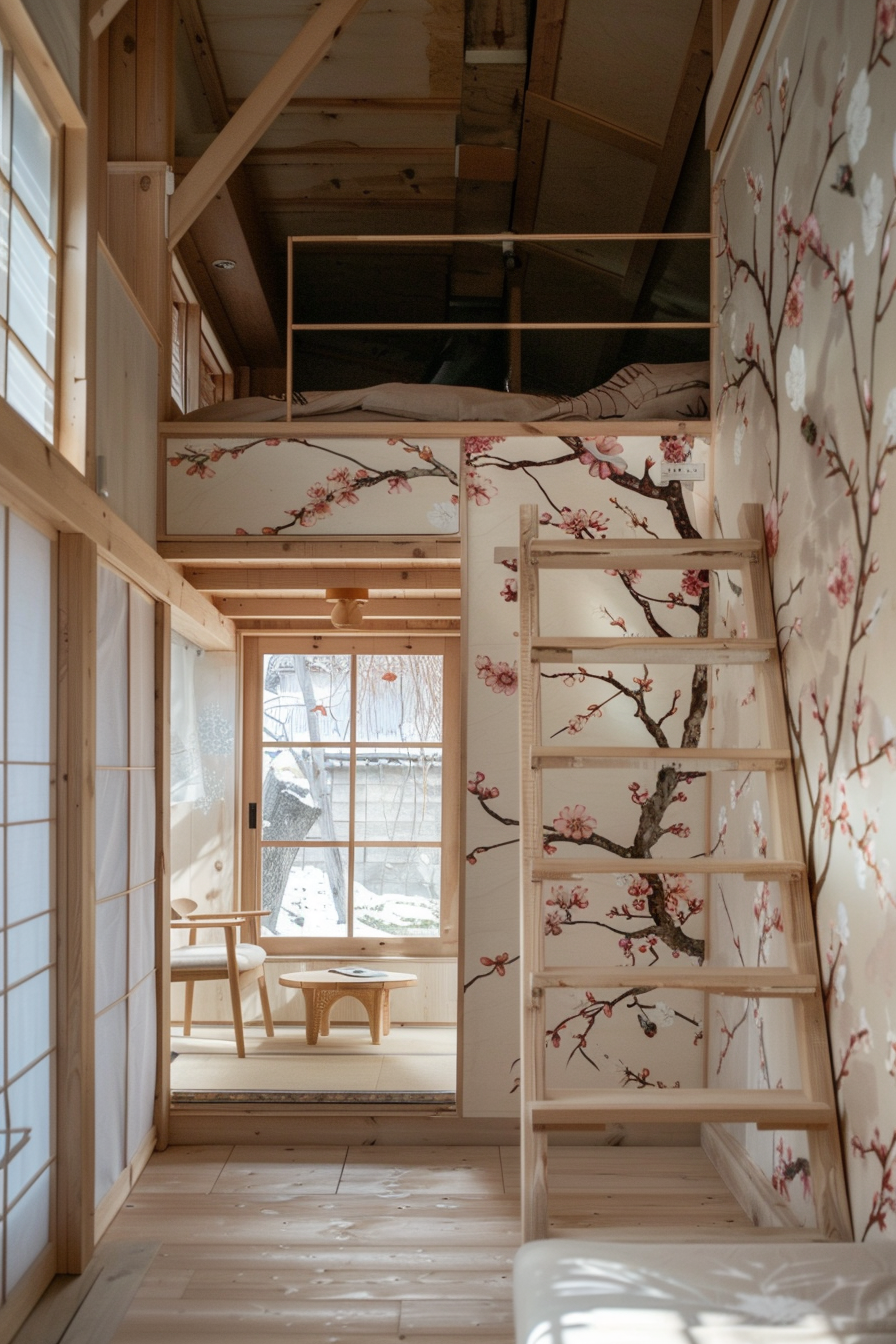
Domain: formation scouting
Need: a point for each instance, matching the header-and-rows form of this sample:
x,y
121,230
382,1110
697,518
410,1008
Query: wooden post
x,y
163,872
76,737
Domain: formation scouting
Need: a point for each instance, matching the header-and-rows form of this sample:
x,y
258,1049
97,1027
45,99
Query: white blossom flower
x,y
858,117
890,419
861,869
663,1015
842,926
723,821
739,441
865,1026
872,212
795,379
847,267
840,985
443,516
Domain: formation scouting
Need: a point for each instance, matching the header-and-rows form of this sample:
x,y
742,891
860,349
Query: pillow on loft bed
x,y
637,392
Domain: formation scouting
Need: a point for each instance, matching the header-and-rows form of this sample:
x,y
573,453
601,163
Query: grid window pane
x,y
28,1022
307,697
32,160
29,948
27,1230
308,889
32,291
28,391
4,241
396,892
29,648
399,697
27,870
303,796
398,794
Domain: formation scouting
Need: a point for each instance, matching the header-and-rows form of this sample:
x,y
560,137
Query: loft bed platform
x,y
433,429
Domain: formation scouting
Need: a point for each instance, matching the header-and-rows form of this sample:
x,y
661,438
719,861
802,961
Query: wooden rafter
x,y
414,107
546,37
587,124
255,115
233,226
100,15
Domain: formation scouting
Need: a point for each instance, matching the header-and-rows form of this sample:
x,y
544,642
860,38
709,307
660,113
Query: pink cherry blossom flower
x,y
639,795
575,823
553,923
498,963
500,677
793,303
397,484
693,581
509,591
676,448
480,443
885,20
576,524
809,237
842,579
479,489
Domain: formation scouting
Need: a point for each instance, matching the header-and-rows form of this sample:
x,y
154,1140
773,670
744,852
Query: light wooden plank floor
x,y
386,1243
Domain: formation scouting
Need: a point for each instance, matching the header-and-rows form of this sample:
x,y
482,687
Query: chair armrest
x,y
210,922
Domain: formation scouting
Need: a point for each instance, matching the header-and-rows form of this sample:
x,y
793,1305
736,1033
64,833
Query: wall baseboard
x,y
747,1183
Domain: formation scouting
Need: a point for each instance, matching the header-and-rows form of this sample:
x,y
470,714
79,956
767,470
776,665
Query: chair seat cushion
x,y
213,956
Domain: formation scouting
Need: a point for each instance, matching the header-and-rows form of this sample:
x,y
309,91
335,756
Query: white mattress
x,y
586,1292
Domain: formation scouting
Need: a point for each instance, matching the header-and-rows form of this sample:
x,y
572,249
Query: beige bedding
x,y
637,392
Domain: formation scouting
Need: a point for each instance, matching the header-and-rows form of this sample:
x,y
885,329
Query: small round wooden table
x,y
323,988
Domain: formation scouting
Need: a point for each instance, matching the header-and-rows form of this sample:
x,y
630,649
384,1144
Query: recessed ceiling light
x,y
223,264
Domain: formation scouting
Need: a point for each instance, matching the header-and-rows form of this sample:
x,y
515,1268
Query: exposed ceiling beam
x,y
377,578
743,36
263,105
305,204
595,127
242,550
411,106
695,78
231,227
546,37
377,609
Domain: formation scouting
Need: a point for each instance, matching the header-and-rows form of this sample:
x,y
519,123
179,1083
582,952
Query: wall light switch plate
x,y
682,471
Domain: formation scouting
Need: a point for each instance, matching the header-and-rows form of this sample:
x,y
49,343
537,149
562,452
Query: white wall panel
x,y
112,669
111,1047
141,1063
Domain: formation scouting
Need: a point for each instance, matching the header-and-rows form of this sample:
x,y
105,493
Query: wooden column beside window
x,y
75,838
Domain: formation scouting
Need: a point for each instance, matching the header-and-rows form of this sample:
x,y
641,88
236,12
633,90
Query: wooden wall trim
x,y
75,905
58,493
734,66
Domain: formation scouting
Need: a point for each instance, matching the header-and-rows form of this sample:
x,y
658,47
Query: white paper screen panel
x,y
125,876
27,947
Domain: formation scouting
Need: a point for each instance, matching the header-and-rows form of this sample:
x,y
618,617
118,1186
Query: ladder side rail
x,y
533,1142
813,1047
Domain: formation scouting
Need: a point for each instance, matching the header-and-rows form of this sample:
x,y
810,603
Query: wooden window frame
x,y
198,342
369,947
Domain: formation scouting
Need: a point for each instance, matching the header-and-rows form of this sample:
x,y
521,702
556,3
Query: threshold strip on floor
x,y
446,1099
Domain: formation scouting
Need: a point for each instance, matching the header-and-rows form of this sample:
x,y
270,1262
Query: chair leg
x,y
236,1004
265,1002
188,1006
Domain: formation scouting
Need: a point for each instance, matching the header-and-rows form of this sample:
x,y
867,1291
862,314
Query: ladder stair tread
x,y
758,981
752,870
634,553
706,758
651,649
768,1108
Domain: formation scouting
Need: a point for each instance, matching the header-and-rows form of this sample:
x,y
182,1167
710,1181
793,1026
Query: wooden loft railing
x,y
460,428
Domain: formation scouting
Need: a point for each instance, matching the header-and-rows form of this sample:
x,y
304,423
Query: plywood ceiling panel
x,y
623,62
359,128
590,187
418,46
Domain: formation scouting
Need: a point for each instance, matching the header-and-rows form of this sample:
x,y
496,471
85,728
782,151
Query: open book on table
x,y
359,972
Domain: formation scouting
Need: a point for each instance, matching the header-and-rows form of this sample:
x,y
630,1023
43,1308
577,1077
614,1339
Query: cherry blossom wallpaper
x,y
806,379
632,1037
285,485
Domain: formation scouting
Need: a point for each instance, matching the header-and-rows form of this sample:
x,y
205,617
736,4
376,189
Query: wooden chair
x,y
232,960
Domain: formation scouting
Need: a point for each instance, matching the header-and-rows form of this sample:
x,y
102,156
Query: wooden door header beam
x,y
255,115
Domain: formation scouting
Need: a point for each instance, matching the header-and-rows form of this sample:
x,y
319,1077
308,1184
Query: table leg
x,y
312,1018
387,1019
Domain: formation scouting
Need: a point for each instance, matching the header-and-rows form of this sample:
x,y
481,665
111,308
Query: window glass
x,y
32,161
351,794
32,291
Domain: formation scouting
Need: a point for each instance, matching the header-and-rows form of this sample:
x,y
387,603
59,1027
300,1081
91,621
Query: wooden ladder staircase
x,y
812,1107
